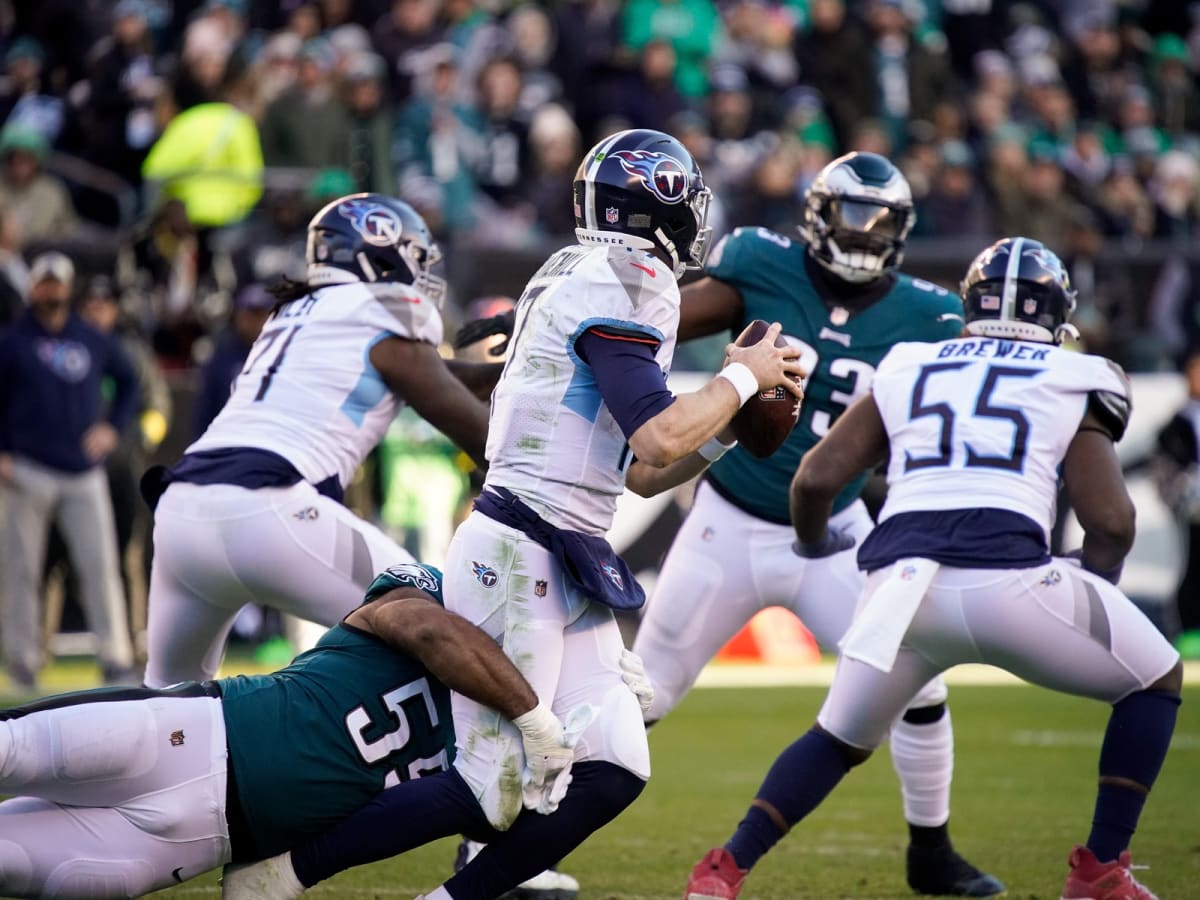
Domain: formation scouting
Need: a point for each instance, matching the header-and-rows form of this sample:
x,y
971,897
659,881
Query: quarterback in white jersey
x,y
252,512
974,430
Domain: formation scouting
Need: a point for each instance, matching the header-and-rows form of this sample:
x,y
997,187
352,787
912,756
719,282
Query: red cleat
x,y
716,877
1091,879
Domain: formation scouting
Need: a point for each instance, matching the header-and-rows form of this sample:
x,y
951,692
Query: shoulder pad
x,y
1112,411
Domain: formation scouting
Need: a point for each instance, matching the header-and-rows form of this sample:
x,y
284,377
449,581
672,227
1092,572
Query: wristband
x,y
742,379
713,449
538,723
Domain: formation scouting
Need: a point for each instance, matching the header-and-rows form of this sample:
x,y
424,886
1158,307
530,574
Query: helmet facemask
x,y
857,238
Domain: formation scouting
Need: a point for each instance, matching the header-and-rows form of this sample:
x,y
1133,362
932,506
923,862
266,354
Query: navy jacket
x,y
50,390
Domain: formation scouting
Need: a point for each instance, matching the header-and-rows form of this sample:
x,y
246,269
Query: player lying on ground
x,y
128,791
989,416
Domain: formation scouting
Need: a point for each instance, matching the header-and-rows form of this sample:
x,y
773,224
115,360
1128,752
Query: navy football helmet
x,y
641,188
373,238
857,216
1018,289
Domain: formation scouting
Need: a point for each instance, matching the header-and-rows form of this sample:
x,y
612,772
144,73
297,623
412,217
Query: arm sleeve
x,y
628,377
125,398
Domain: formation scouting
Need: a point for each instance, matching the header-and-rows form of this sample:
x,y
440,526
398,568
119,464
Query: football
x,y
766,419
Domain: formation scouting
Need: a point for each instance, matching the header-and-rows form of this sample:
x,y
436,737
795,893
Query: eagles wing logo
x,y
377,224
418,576
662,175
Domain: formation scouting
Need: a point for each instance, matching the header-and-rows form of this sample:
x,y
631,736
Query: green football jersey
x,y
840,349
315,741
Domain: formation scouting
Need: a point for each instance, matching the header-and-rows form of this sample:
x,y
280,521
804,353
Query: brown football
x,y
767,418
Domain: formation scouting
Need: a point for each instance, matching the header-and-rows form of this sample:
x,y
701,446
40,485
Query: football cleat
x,y
940,871
716,877
1091,879
549,885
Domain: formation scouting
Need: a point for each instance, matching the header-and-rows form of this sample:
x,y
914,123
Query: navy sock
x,y
1135,745
599,791
402,817
801,777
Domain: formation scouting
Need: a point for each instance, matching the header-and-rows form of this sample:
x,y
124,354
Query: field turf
x,y
1023,790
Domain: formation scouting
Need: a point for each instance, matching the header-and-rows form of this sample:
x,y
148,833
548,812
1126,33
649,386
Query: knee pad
x,y
617,734
933,693
86,879
109,740
16,870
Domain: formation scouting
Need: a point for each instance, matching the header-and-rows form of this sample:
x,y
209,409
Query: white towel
x,y
875,634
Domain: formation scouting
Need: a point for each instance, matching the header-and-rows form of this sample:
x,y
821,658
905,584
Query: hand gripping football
x,y
767,418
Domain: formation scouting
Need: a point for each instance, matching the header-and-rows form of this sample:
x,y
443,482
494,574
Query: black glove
x,y
833,542
1112,576
476,331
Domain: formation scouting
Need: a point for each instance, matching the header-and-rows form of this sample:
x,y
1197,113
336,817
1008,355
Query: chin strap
x,y
1064,332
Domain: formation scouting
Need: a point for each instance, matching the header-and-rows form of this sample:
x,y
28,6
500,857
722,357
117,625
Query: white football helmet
x,y
857,216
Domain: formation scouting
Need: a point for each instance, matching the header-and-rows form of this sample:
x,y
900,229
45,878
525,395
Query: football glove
x,y
1112,576
633,673
476,331
549,753
834,541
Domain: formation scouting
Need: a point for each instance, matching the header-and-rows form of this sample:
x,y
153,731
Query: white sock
x,y
923,756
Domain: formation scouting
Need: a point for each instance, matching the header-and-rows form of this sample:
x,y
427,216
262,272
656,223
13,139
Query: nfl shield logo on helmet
x,y
989,301
1029,307
612,215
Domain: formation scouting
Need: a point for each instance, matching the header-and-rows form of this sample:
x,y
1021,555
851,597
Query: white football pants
x,y
1054,625
218,547
115,799
565,645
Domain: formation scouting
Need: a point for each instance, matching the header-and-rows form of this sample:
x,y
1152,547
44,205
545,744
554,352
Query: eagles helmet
x,y
642,189
1018,289
857,216
373,238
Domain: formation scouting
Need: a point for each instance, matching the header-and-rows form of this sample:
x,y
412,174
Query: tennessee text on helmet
x,y
373,238
1018,289
642,189
857,216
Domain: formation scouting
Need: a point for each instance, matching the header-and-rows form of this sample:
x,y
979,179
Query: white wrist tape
x,y
539,722
742,379
713,449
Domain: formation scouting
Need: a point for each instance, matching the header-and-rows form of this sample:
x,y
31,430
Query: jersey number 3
x,y
359,722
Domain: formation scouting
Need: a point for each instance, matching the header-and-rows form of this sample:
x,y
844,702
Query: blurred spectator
x,y
534,42
274,71
1094,71
209,159
37,199
123,88
1173,83
588,33
648,96
251,308
730,104
1174,193
956,206
555,145
1176,467
910,79
99,307
306,125
831,54
691,27
1041,209
403,38
758,39
14,274
24,100
52,444
370,126
503,160
1125,210
1087,160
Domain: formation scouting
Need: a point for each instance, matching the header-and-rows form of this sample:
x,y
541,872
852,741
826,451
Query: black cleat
x,y
549,885
940,871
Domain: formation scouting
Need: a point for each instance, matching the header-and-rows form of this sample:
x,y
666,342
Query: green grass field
x,y
1023,790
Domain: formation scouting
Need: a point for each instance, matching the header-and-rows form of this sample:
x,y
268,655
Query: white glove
x,y
633,673
268,879
549,753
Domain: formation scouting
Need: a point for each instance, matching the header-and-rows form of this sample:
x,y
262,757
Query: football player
x,y
843,303
974,430
581,410
251,513
125,791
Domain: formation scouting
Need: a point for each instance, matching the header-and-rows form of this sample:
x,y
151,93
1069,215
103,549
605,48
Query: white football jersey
x,y
551,439
308,391
983,423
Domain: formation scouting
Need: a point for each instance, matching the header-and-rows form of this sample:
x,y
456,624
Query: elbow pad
x,y
1112,410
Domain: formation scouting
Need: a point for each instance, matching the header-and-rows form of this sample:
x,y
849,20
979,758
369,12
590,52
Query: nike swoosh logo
x,y
177,876
649,271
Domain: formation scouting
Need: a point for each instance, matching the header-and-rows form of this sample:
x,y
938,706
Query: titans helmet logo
x,y
377,224
662,175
